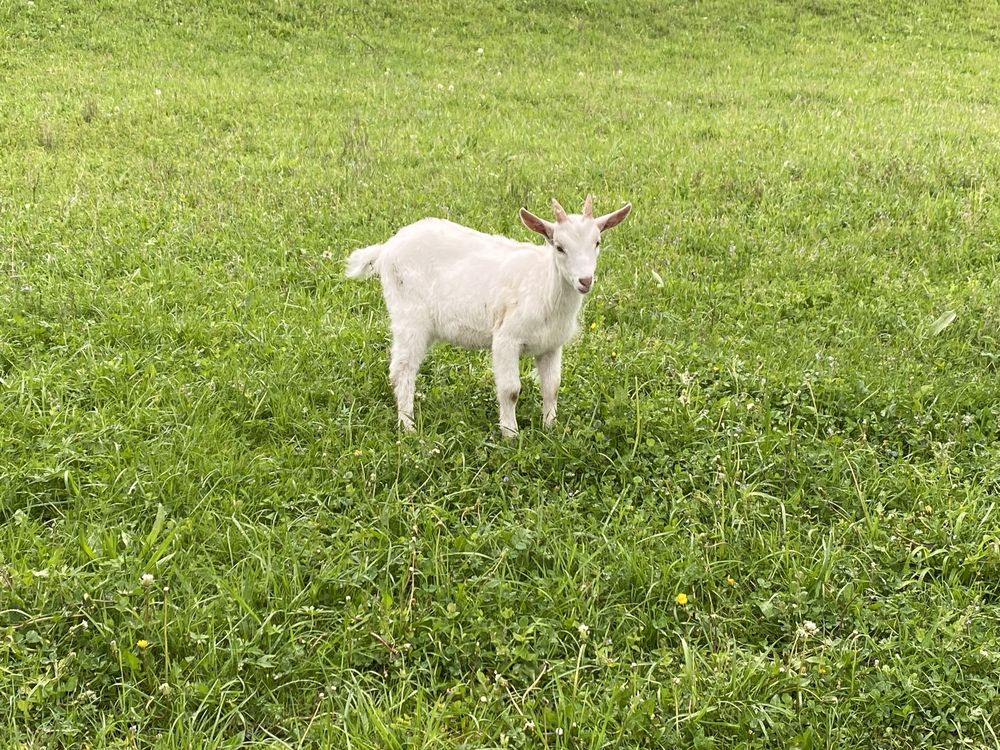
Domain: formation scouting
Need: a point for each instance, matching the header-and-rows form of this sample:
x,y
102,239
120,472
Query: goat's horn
x,y
588,206
560,213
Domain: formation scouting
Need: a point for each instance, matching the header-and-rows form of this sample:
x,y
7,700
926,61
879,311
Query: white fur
x,y
445,282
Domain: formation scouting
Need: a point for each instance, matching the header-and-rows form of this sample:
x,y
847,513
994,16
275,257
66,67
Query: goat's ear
x,y
535,224
613,219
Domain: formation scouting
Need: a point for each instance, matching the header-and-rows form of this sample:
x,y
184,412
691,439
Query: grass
x,y
795,427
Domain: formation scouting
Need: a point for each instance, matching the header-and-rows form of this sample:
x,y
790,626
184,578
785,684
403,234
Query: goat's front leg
x,y
549,367
506,354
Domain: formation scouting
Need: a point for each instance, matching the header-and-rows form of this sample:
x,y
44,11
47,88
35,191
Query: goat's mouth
x,y
583,289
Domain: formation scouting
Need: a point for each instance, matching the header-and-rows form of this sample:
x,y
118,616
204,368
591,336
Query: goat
x,y
444,281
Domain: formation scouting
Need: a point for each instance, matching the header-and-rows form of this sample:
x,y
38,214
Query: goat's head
x,y
575,239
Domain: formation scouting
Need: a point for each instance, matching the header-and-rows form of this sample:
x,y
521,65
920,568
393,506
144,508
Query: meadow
x,y
767,516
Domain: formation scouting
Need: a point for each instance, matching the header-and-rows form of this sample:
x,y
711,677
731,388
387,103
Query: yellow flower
x,y
730,580
143,644
593,325
682,599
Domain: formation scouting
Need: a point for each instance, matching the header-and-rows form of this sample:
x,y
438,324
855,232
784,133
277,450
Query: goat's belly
x,y
464,335
470,341
475,332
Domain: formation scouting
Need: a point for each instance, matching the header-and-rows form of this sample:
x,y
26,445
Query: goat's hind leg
x,y
409,346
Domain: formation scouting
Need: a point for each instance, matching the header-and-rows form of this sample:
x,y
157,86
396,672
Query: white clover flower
x,y
808,629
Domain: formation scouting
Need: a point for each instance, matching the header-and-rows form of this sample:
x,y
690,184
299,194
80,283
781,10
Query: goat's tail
x,y
361,263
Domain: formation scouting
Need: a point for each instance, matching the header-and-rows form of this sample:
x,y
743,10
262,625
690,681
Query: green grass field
x,y
783,404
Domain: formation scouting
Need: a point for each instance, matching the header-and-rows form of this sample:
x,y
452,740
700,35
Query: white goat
x,y
444,281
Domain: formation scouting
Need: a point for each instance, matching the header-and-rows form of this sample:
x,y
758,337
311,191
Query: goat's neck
x,y
565,299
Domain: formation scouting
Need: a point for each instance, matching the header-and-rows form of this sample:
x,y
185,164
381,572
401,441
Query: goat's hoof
x,y
406,425
508,433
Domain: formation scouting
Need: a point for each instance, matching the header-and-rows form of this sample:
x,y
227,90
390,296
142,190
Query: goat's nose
x,y
586,282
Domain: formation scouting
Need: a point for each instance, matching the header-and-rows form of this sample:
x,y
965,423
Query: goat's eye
x,y
559,249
